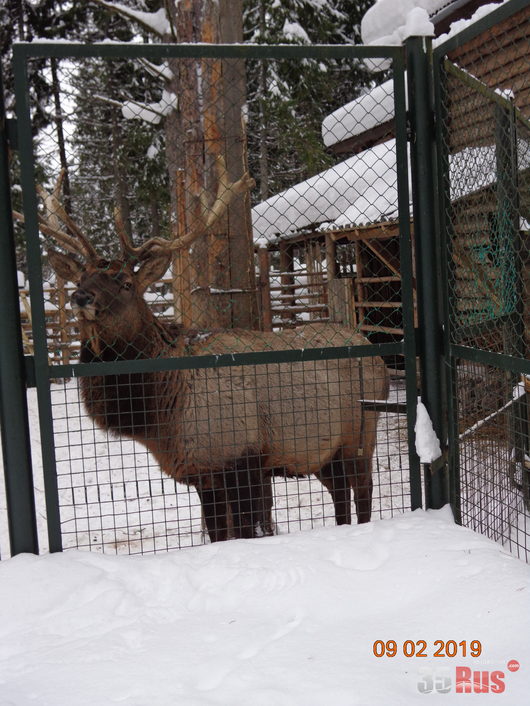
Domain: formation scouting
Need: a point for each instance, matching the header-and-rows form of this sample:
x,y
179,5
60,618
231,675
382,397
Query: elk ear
x,y
66,266
151,270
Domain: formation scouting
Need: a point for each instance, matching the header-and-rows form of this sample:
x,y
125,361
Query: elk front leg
x,y
249,503
214,504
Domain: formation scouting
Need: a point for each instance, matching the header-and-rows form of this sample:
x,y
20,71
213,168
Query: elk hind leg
x,y
363,485
262,502
334,477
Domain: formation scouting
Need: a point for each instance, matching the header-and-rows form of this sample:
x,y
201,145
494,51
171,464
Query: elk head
x,y
108,300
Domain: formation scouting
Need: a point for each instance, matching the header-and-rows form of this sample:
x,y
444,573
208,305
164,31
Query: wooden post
x,y
331,258
359,275
265,289
287,279
341,302
314,275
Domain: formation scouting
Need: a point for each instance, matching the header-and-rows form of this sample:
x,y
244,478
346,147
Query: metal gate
x,y
482,77
106,493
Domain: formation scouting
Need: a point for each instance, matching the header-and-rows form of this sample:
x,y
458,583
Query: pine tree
x,y
288,99
115,161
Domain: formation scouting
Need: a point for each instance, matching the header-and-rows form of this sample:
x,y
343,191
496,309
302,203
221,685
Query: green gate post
x,y
16,444
428,275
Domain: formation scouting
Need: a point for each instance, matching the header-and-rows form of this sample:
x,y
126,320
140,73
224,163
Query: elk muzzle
x,y
83,304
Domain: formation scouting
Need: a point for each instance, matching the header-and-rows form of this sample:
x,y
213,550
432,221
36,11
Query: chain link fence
x,y
486,111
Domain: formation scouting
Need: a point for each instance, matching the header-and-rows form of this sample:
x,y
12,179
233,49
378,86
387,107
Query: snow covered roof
x,y
363,190
386,21
362,114
360,190
475,168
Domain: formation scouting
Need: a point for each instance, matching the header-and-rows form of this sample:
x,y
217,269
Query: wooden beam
x,y
372,231
386,258
368,138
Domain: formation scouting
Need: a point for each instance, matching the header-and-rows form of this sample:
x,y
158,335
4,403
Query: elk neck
x,y
142,338
138,405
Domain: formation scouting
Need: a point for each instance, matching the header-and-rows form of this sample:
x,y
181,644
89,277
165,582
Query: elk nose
x,y
82,298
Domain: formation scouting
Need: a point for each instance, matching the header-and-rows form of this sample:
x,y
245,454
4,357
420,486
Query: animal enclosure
x,y
311,391
227,339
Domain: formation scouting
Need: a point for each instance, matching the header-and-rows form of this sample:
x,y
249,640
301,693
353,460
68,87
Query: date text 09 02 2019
x,y
421,648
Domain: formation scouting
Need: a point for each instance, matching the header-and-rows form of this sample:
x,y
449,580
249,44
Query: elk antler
x,y
49,222
67,242
55,209
226,191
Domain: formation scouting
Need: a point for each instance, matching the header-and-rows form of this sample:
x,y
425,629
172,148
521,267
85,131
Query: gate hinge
x,y
12,133
31,378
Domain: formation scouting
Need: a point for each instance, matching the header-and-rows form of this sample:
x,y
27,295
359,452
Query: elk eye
x,y
126,285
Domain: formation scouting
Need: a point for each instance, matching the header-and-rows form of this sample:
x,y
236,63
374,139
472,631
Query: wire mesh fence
x,y
113,496
161,241
485,95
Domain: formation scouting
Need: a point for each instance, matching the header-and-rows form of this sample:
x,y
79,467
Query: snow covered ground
x,y
285,621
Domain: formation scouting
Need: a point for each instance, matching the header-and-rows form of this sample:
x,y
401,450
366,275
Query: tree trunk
x,y
208,123
120,180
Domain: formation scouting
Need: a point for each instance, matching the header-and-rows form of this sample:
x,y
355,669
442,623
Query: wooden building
x,y
353,273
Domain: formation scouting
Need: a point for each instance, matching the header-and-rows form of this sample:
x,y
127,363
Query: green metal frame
x,y
16,443
38,367
421,112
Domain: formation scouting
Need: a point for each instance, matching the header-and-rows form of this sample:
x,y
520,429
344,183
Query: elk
x,y
223,430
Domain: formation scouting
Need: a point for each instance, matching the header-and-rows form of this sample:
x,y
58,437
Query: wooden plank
x,y
297,308
381,329
359,285
375,280
373,232
287,273
63,336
